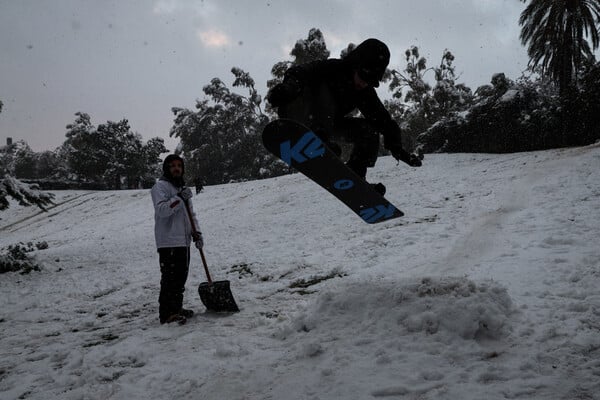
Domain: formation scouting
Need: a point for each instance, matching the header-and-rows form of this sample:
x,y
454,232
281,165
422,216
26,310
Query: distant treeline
x,y
220,137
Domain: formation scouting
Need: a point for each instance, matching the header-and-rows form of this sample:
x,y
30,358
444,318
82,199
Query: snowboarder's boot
x,y
378,187
336,148
360,168
180,319
186,313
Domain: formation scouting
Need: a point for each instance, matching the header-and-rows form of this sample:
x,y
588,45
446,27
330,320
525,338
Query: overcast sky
x,y
136,59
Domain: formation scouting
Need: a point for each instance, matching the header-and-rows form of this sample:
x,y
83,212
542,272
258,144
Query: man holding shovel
x,y
173,233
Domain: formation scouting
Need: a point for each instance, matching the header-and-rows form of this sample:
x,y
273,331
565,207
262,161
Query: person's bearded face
x,y
176,168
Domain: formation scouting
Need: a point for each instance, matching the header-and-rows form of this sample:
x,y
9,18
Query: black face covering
x,y
177,181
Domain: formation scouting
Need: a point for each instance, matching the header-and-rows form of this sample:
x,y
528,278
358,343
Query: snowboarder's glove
x,y
401,155
185,194
284,92
414,160
198,240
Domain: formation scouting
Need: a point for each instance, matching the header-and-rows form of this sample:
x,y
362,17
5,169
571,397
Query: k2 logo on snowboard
x,y
377,213
308,147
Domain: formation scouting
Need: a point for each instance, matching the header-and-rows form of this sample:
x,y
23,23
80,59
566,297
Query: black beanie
x,y
370,59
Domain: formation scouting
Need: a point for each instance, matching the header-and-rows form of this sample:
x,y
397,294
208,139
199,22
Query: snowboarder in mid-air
x,y
321,94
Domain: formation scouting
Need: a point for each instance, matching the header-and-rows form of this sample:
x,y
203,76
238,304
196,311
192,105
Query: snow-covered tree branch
x,y
24,194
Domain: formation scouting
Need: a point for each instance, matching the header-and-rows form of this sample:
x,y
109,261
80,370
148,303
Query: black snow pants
x,y
316,109
174,267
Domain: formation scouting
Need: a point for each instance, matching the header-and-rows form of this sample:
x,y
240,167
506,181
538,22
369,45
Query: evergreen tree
x,y
119,152
24,161
109,153
81,148
6,159
47,165
10,162
416,104
313,48
153,166
221,140
11,187
449,96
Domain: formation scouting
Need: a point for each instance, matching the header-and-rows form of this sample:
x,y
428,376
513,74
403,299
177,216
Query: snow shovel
x,y
215,295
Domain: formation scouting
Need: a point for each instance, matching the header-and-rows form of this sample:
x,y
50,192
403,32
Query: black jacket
x,y
338,76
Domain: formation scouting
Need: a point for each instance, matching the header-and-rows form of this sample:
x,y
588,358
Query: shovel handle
x,y
205,267
194,230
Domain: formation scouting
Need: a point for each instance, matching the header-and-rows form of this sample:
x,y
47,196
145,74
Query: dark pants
x,y
174,266
316,109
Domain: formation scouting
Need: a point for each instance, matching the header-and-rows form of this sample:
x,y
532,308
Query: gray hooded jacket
x,y
172,227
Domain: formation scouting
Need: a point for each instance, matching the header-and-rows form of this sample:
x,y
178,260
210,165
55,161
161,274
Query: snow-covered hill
x,y
486,289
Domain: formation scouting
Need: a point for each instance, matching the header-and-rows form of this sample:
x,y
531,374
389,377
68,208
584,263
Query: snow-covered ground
x,y
486,289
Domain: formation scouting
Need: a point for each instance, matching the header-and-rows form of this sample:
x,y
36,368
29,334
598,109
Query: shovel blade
x,y
217,297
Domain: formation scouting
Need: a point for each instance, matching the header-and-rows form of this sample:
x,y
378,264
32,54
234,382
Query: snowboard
x,y
303,150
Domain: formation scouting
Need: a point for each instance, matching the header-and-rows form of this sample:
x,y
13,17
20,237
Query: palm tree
x,y
557,32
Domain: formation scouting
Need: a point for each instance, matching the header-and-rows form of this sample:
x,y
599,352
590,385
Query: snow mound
x,y
449,308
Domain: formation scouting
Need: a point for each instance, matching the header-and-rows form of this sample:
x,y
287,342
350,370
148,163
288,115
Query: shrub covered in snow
x,y
525,115
507,116
17,258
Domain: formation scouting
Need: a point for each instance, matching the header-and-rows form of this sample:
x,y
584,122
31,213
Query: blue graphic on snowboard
x,y
302,149
308,147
